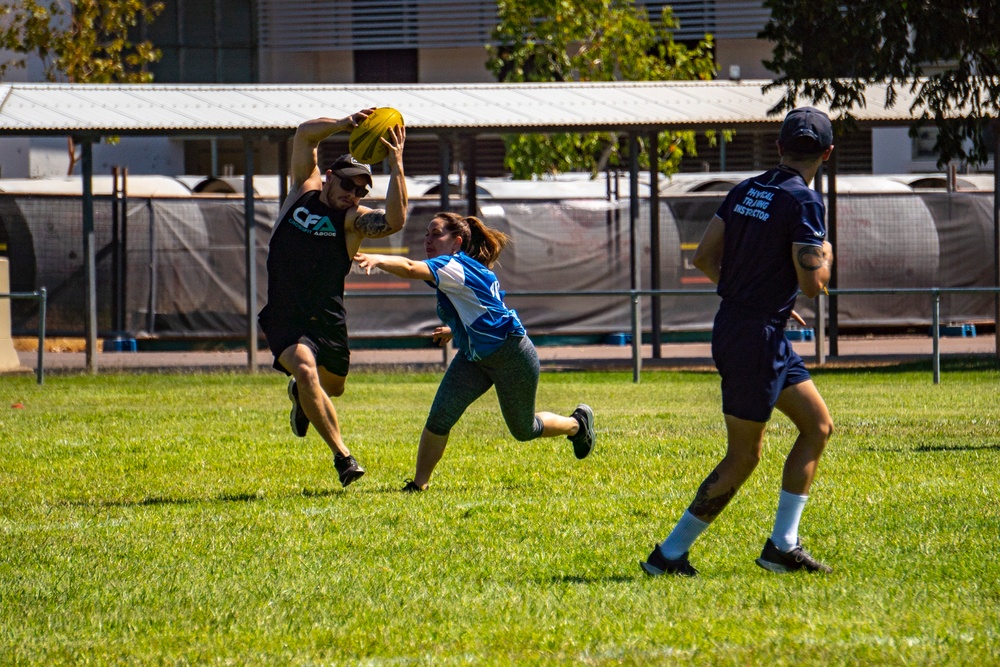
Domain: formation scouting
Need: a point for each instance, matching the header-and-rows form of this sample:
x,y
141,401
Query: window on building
x,y
204,41
386,66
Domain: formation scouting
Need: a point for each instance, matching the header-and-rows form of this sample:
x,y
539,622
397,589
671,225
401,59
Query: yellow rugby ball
x,y
364,144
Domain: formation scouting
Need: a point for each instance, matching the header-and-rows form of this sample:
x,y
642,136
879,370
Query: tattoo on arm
x,y
373,224
810,258
707,508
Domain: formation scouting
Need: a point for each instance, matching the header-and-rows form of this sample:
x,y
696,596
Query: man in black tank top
x,y
319,229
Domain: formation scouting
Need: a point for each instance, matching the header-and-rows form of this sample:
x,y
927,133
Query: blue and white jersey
x,y
471,303
764,216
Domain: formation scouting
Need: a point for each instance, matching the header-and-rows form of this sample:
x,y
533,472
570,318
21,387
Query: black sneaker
x,y
298,419
411,487
583,441
776,560
657,564
348,468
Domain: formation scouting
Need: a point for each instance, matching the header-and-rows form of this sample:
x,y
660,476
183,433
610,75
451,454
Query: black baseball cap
x,y
806,130
346,165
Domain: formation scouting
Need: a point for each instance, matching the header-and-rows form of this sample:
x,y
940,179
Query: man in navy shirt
x,y
766,242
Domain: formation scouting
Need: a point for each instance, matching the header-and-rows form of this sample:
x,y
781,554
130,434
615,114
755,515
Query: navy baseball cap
x,y
806,130
346,165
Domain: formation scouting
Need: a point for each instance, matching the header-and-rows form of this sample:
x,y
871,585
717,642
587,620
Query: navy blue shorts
x,y
756,363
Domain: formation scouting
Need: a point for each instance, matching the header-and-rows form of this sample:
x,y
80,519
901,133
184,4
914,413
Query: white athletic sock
x,y
786,520
682,536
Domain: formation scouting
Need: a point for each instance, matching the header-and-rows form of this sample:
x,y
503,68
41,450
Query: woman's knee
x,y
437,429
439,423
522,435
526,431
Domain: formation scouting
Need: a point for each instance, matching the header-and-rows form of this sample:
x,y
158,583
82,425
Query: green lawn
x,y
169,519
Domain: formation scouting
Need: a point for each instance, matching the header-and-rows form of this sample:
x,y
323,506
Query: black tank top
x,y
306,263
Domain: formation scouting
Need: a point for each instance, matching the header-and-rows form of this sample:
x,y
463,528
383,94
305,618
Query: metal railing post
x,y
636,337
42,301
821,329
936,329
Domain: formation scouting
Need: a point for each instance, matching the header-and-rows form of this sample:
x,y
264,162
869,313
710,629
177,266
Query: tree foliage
x,y
945,53
589,40
80,41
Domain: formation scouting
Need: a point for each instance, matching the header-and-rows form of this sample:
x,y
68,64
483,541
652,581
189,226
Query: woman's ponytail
x,y
480,242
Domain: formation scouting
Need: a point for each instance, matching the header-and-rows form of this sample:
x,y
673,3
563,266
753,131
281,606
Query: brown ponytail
x,y
481,243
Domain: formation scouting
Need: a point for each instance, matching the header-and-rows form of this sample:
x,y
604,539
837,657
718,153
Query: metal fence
x,y
821,308
634,298
935,293
176,267
41,297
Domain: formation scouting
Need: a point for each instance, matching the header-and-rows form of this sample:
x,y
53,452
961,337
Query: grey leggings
x,y
513,368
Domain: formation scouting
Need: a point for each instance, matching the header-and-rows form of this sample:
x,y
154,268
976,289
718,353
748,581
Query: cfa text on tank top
x,y
308,261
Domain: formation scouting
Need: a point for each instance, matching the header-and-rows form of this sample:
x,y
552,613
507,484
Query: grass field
x,y
168,519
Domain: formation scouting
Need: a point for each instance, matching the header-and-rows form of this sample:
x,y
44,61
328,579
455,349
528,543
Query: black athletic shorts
x,y
328,343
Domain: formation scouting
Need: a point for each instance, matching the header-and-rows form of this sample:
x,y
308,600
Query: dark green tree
x,y
589,40
944,53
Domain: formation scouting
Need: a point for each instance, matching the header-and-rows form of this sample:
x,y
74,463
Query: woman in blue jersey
x,y
493,348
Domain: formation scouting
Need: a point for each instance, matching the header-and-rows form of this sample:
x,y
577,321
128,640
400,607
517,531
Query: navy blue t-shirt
x,y
764,216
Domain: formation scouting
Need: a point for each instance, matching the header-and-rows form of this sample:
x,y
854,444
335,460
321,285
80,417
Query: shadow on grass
x,y
879,365
578,579
152,501
959,448
936,448
884,366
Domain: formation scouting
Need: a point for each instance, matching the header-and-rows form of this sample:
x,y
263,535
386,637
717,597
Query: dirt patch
x,y
29,344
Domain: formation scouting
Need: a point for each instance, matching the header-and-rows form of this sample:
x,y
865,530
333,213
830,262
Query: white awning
x,y
63,109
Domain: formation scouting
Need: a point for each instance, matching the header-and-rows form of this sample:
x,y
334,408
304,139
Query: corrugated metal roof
x,y
61,109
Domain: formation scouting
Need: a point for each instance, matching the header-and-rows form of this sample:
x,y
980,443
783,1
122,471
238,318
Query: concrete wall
x,y
307,67
747,54
8,355
894,151
37,157
464,65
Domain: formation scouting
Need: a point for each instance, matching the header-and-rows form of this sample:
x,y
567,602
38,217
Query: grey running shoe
x,y
775,560
583,441
657,564
297,418
348,468
411,487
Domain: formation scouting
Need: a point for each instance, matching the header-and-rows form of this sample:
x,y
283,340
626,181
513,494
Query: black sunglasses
x,y
351,186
